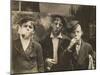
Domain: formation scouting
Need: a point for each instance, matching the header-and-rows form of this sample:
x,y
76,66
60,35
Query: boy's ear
x,y
19,29
82,33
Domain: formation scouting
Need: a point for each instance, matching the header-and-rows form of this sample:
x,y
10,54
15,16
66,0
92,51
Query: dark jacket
x,y
48,53
81,61
26,62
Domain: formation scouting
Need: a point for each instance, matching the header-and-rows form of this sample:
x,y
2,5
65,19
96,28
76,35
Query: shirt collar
x,y
79,43
59,36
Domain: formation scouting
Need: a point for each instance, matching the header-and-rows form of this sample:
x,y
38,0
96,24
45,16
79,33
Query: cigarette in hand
x,y
73,41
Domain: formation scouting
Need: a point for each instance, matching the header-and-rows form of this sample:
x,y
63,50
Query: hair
x,y
24,20
72,25
74,28
58,16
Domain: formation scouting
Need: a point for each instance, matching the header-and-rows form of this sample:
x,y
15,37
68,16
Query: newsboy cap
x,y
72,25
25,19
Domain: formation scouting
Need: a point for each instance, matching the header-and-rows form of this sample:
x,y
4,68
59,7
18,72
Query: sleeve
x,y
92,58
92,52
40,60
44,44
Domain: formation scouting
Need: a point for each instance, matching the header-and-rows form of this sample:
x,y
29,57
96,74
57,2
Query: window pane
x,y
15,5
30,6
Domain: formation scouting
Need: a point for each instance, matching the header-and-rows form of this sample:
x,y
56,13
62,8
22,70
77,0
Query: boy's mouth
x,y
23,35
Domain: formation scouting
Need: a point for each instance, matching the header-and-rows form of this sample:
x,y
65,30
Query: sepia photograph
x,y
52,37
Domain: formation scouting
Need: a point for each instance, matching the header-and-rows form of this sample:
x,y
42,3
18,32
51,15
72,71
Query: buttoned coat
x,y
26,63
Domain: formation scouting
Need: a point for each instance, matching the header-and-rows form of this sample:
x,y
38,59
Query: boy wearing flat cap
x,y
54,45
81,52
26,53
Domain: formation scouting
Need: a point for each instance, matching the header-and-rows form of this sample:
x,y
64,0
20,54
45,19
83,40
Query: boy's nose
x,y
27,29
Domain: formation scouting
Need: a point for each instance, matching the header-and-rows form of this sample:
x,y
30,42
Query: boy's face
x,y
27,29
57,26
77,33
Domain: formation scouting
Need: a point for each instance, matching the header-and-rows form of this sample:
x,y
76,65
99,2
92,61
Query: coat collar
x,y
80,51
59,36
18,47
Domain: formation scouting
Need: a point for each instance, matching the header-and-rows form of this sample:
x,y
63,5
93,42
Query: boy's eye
x,y
73,32
77,31
60,24
30,27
